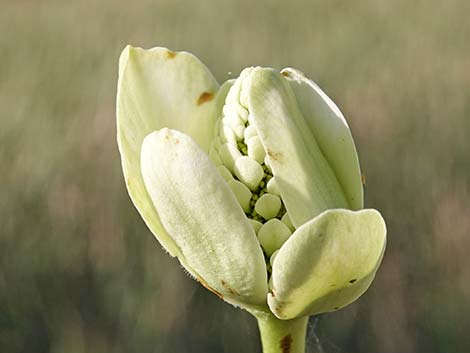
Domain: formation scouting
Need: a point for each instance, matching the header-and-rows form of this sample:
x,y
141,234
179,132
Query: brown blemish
x,y
363,178
228,288
285,74
170,54
279,308
274,155
204,283
286,343
353,280
273,293
205,97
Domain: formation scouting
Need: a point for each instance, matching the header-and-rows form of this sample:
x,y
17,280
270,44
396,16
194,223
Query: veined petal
x,y
331,132
327,263
304,177
198,209
159,88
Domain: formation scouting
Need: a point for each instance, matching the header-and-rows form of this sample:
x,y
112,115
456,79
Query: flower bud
x,y
257,178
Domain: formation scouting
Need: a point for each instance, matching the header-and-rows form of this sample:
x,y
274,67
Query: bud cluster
x,y
241,159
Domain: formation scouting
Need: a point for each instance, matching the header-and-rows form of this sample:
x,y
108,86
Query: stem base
x,y
282,336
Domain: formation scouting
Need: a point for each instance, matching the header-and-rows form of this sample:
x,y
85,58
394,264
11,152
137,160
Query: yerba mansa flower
x,y
254,186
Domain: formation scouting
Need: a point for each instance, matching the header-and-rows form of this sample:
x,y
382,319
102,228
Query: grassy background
x,y
79,271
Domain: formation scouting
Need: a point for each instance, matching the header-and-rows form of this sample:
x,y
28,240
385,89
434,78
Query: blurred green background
x,y
80,272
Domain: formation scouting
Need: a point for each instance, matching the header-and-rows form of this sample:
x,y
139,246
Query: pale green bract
x,y
254,185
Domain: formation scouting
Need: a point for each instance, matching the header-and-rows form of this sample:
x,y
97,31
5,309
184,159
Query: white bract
x,y
254,185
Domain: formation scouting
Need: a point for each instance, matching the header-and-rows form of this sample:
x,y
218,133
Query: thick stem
x,y
282,336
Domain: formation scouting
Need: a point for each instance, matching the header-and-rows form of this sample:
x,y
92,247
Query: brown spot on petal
x,y
170,54
353,280
228,288
204,283
277,156
285,74
286,343
363,178
205,97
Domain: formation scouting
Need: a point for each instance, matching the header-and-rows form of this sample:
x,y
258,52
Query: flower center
x,y
241,159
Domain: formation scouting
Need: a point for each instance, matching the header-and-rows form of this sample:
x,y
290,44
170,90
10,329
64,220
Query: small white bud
x,y
242,193
236,109
242,113
255,149
238,132
227,108
272,235
250,132
227,134
248,171
268,206
272,187
236,124
228,154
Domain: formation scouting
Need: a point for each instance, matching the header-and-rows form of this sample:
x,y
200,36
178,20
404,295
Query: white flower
x,y
254,185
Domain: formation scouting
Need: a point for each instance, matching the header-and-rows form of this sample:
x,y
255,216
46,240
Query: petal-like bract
x,y
159,88
327,263
331,132
307,183
199,210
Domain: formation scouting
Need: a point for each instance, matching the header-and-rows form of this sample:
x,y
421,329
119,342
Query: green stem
x,y
282,336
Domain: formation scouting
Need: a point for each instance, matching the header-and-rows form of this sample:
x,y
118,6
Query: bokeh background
x,y
80,272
